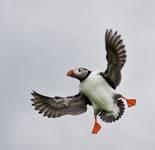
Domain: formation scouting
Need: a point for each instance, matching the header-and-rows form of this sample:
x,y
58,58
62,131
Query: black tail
x,y
109,117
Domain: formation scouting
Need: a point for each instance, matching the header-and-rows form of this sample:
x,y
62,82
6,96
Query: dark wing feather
x,y
59,106
116,56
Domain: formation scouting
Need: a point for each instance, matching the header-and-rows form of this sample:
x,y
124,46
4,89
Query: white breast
x,y
99,92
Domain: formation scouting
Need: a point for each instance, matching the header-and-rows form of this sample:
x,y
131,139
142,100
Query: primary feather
x,y
116,56
59,106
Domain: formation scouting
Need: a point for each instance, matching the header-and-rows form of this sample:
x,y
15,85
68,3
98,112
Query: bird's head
x,y
79,73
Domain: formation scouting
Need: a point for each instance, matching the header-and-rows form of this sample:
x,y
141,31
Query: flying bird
x,y
96,89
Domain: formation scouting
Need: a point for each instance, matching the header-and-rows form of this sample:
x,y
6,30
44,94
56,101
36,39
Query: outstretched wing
x,y
116,57
59,106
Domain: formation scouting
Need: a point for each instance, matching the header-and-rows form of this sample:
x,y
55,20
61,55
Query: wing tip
x,y
33,93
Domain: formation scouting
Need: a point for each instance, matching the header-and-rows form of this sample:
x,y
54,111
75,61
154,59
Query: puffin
x,y
97,89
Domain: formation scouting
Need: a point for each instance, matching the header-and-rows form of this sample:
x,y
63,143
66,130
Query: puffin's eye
x,y
79,69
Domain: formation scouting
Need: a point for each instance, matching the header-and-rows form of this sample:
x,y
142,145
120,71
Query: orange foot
x,y
96,128
131,102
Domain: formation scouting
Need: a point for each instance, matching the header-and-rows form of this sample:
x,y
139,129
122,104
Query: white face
x,y
80,70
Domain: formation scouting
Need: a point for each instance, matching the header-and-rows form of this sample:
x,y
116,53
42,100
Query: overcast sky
x,y
40,40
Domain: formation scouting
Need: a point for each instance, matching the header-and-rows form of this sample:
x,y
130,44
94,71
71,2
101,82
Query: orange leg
x,y
96,127
130,102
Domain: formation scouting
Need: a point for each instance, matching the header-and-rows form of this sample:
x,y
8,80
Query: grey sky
x,y
41,40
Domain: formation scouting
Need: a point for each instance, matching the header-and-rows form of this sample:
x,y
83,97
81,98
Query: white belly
x,y
96,88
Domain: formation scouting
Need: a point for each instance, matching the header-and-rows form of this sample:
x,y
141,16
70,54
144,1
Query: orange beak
x,y
71,73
